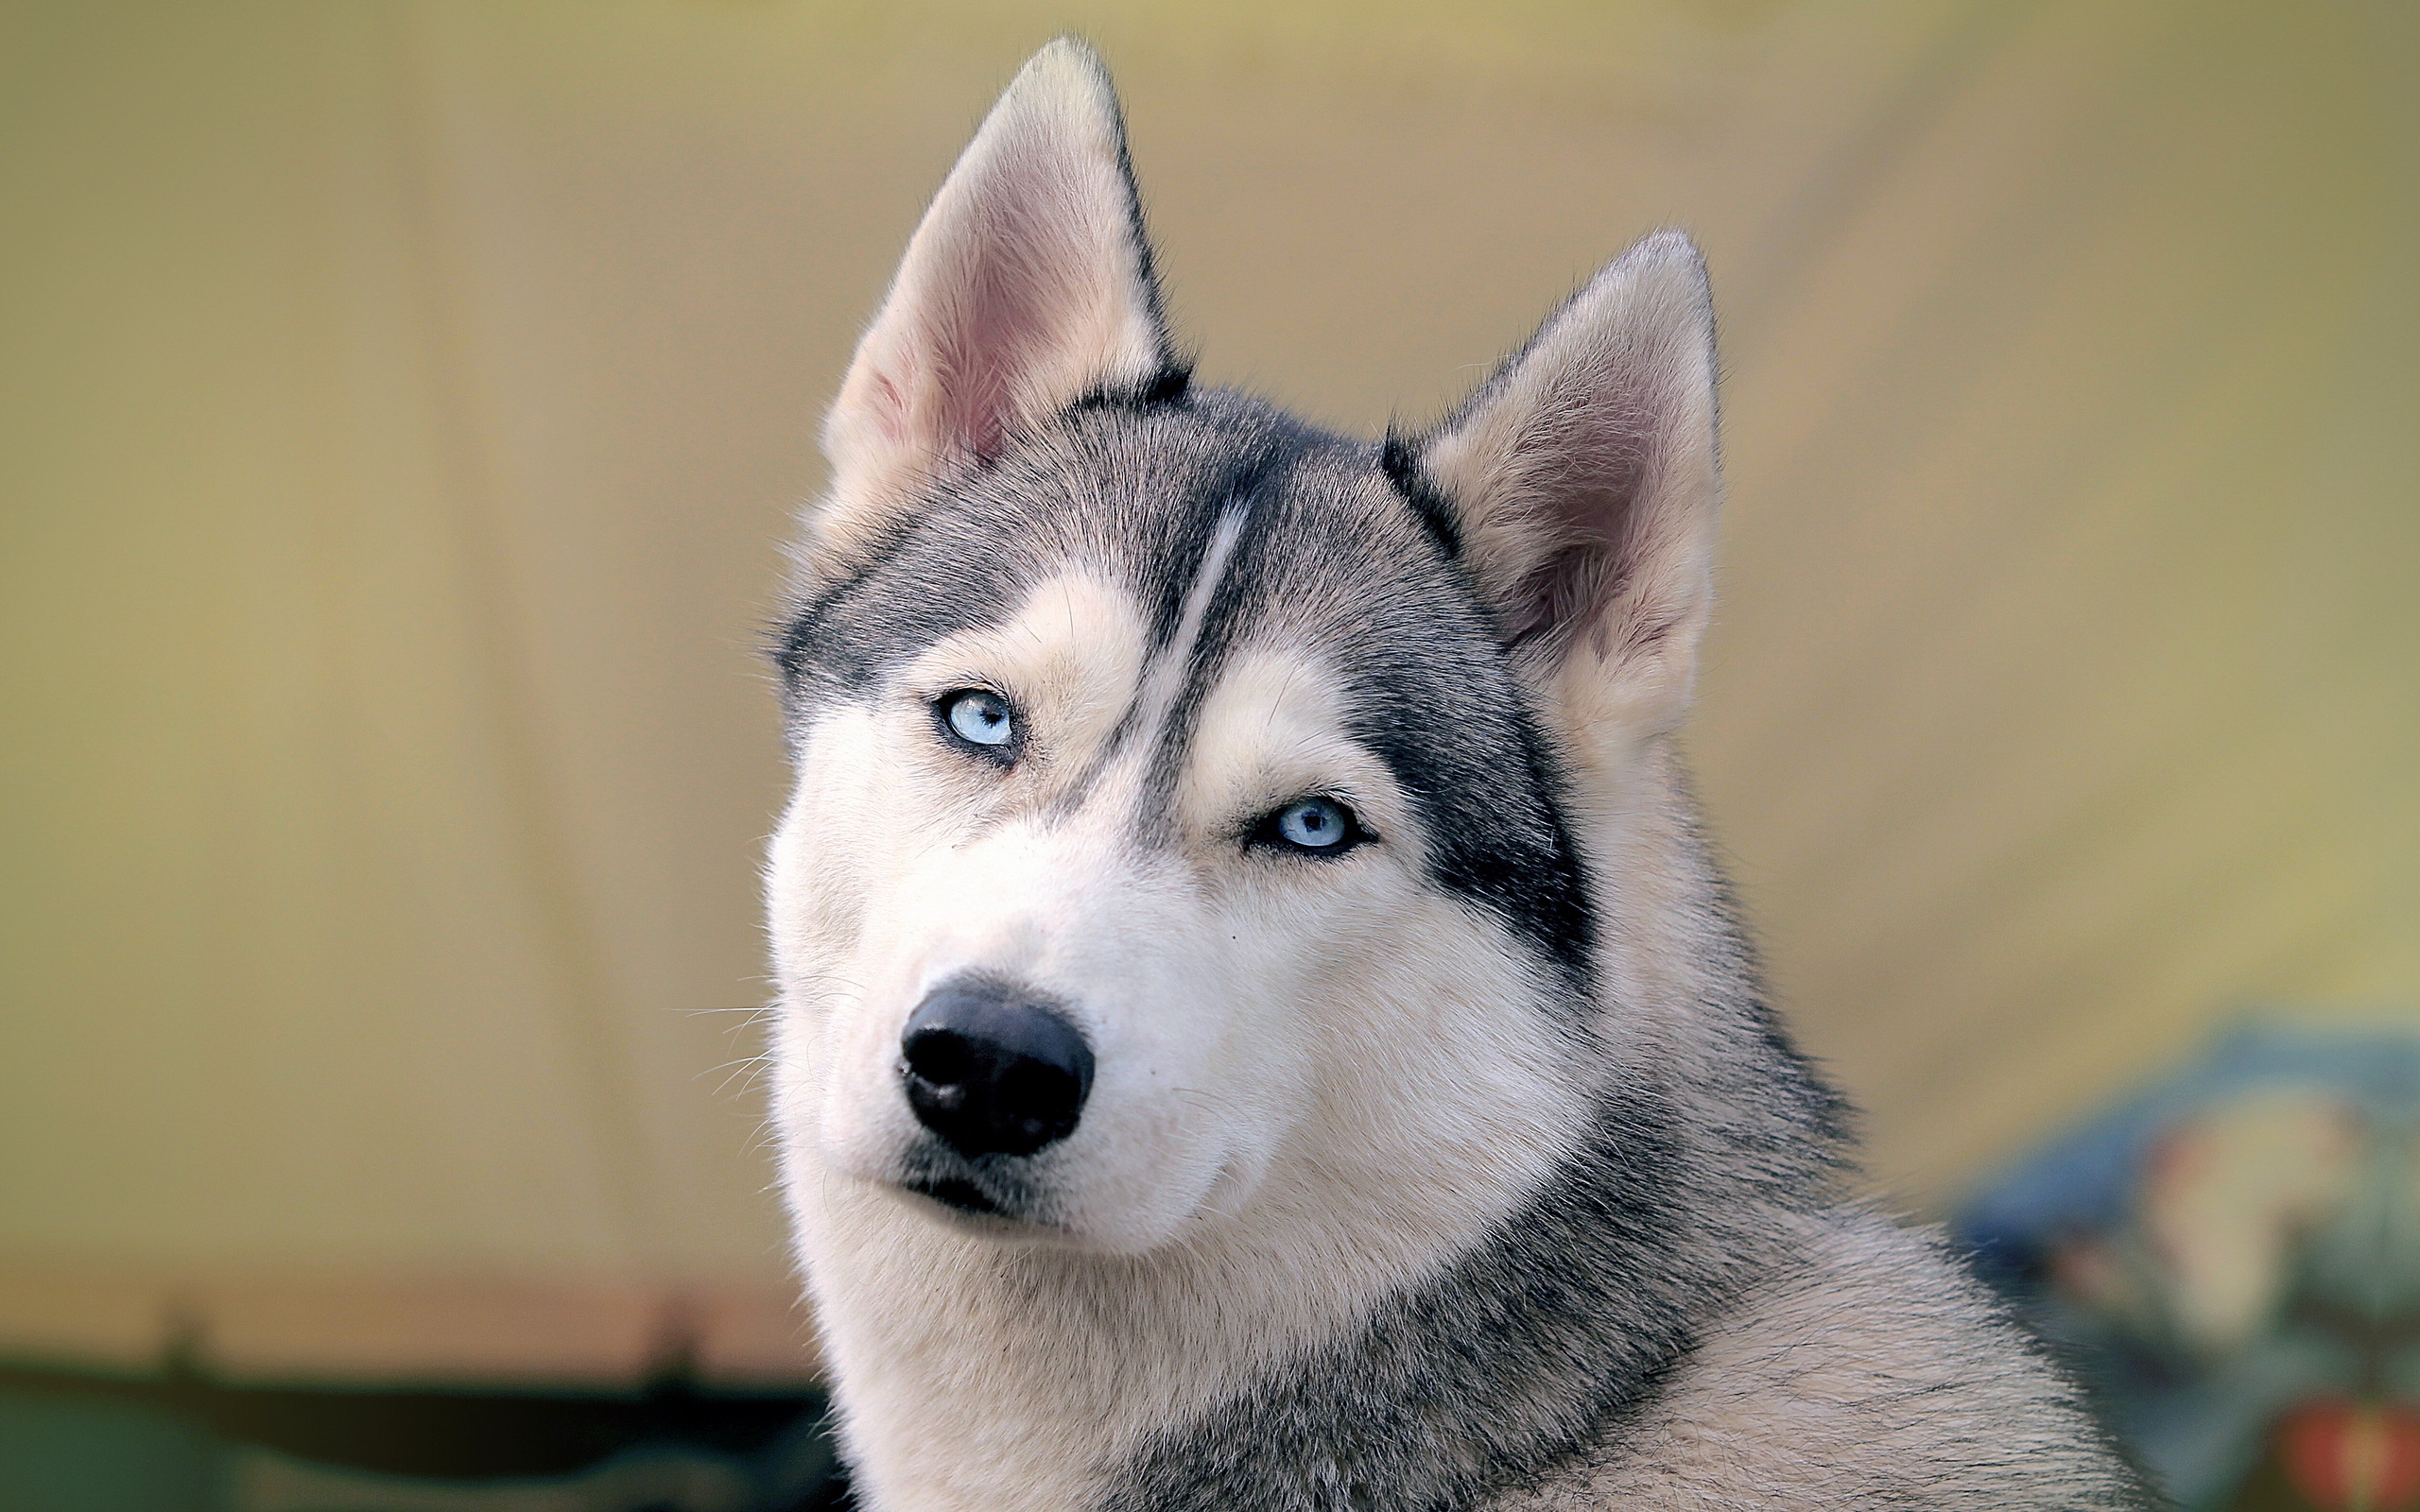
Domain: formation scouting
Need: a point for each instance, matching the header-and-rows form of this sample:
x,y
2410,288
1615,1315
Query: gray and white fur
x,y
1452,1163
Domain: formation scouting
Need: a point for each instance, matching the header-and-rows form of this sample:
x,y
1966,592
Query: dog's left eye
x,y
980,718
1312,826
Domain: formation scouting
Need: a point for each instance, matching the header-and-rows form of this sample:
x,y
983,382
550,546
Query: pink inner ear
x,y
1594,449
887,403
976,393
1021,291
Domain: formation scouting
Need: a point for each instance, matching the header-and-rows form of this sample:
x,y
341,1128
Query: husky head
x,y
1199,815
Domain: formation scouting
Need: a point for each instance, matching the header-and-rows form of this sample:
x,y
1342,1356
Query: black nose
x,y
993,1072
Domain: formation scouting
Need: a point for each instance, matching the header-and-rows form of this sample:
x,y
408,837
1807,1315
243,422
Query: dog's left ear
x,y
1582,480
1027,285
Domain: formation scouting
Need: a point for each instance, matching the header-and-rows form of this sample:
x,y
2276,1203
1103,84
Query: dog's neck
x,y
1486,1375
1228,1380
1366,1338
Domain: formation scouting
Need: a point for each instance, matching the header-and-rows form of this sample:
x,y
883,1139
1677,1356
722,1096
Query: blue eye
x,y
1320,826
980,718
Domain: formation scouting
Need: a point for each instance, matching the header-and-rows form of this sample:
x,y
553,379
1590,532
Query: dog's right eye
x,y
1312,827
980,718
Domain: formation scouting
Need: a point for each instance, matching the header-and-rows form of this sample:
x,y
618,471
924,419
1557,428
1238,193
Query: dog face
x,y
1184,823
1172,725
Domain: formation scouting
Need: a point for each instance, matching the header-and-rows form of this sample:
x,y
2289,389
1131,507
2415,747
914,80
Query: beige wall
x,y
403,401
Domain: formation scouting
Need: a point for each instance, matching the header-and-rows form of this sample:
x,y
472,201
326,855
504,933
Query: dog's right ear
x,y
1028,286
1581,481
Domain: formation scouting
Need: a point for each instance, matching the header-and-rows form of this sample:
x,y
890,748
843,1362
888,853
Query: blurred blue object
x,y
2234,1253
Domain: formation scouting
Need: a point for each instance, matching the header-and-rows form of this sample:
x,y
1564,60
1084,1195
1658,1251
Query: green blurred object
x,y
105,1456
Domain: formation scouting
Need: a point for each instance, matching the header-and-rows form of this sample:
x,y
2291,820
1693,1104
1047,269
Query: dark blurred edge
x,y
182,1414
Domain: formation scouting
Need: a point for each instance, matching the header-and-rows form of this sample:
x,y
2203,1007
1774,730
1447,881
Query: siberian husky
x,y
1259,1027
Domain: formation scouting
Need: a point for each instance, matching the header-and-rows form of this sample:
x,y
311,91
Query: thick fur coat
x,y
1416,1136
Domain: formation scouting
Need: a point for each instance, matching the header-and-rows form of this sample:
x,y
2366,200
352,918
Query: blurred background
x,y
405,402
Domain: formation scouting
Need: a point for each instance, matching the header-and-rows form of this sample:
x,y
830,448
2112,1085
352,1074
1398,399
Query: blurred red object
x,y
2353,1456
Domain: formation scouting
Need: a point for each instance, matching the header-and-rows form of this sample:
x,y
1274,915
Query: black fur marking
x,y
1137,232
1168,384
1171,383
966,553
956,1192
1492,800
1492,792
1253,484
1434,698
1233,475
935,571
796,648
1399,459
1003,1186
